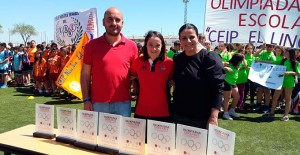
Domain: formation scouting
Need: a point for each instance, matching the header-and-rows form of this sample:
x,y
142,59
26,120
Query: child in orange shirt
x,y
39,72
54,69
64,58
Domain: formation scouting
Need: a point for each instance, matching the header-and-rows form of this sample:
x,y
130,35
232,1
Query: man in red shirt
x,y
105,80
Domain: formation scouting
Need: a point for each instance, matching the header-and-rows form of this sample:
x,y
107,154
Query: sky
x,y
140,16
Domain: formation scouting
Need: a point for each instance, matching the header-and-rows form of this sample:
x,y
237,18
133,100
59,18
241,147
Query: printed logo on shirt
x,y
162,68
143,67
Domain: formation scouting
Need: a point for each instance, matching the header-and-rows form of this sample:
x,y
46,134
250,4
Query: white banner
x,y
220,141
69,27
44,118
256,21
267,75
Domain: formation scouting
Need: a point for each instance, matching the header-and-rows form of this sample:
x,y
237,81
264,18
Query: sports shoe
x,y
256,107
221,109
4,86
227,116
285,118
269,115
278,107
233,113
265,109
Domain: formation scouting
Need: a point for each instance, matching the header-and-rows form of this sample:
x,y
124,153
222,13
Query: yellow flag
x,y
69,78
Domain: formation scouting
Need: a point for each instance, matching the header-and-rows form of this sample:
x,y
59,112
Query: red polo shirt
x,y
110,68
152,99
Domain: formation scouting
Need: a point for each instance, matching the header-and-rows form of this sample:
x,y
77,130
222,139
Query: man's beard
x,y
113,33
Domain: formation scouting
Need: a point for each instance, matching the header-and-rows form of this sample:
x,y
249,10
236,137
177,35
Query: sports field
x,y
255,135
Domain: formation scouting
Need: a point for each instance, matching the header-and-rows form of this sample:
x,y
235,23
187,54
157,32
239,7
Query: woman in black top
x,y
199,81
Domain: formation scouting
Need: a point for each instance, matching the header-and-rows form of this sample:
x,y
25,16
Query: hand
x,y
264,46
88,106
212,120
225,63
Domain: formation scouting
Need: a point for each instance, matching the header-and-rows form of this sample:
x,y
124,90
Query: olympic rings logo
x,y
191,143
110,128
221,145
87,124
66,30
44,116
66,120
133,133
164,139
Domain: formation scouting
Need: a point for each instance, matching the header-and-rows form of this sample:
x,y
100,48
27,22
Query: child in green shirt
x,y
292,69
230,87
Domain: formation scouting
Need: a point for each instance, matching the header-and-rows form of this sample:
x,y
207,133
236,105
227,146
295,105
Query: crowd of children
x,y
41,63
237,60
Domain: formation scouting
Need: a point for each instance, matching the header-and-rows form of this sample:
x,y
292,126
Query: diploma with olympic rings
x,y
132,136
190,140
87,124
66,122
160,138
44,118
109,130
220,141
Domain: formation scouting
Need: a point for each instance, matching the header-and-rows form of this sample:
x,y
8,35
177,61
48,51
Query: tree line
x,y
25,30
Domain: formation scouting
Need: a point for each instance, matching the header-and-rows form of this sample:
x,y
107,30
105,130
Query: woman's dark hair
x,y
38,59
229,47
292,58
236,59
249,44
188,26
40,46
240,50
53,44
163,45
282,50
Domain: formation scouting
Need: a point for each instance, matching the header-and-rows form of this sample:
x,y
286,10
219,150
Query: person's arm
x,y
245,64
213,119
215,76
85,82
256,54
228,69
21,62
223,52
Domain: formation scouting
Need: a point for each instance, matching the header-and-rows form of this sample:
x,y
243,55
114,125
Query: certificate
x,y
190,140
109,130
66,122
160,138
132,136
87,126
44,118
220,141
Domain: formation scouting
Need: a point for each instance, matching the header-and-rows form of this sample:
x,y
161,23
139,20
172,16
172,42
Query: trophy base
x,y
107,150
85,145
65,140
44,135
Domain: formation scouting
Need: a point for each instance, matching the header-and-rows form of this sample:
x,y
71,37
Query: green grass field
x,y
255,135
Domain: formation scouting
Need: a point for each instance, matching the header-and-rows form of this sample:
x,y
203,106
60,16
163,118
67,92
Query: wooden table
x,y
21,141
